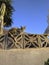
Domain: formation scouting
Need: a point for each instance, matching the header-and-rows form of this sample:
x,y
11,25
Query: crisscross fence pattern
x,y
23,40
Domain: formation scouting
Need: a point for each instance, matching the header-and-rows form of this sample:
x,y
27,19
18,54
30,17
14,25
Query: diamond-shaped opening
x,y
48,37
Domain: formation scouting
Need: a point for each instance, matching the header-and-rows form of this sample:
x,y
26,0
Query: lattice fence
x,y
23,40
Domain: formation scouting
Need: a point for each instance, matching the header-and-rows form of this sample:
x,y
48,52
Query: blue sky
x,y
32,14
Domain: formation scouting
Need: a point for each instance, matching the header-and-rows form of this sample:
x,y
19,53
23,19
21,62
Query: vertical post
x,y
39,41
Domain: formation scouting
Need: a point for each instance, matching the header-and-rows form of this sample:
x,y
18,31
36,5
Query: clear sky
x,y
32,14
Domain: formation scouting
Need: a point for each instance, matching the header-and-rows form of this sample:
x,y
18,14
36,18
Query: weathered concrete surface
x,y
24,56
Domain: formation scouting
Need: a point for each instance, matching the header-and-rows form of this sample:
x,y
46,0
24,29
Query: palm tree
x,y
8,13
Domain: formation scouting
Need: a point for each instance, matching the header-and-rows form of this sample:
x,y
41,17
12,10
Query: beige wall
x,y
24,56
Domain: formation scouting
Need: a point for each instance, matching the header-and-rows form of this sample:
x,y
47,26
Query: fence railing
x,y
24,40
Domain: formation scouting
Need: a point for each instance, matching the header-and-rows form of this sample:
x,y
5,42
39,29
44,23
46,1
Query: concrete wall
x,y
24,56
